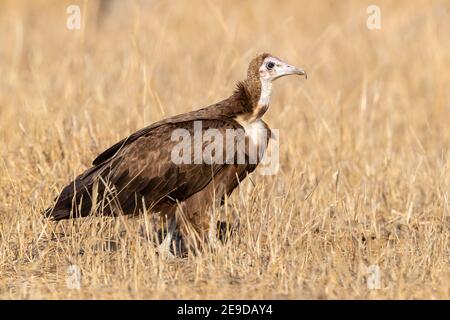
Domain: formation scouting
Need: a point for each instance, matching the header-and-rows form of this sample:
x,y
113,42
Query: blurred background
x,y
133,62
371,123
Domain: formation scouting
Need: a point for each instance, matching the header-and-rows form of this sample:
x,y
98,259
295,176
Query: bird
x,y
141,172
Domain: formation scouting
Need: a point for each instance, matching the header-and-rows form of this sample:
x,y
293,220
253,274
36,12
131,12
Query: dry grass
x,y
364,144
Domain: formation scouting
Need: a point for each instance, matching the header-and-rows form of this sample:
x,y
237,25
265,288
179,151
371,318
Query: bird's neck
x,y
254,98
265,92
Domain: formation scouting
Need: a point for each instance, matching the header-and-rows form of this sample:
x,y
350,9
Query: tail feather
x,y
75,199
57,214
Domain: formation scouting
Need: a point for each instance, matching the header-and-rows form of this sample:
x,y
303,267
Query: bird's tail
x,y
57,214
75,199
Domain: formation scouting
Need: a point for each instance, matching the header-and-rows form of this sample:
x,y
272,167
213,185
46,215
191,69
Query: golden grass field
x,y
364,146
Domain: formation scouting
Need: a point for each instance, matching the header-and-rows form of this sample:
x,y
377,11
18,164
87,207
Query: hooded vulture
x,y
154,169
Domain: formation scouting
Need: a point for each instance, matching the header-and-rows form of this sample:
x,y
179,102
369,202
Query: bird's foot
x,y
225,231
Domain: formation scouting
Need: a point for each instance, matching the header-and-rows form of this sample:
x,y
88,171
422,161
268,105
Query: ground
x,y
360,205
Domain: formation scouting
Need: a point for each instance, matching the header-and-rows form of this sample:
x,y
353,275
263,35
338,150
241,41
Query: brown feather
x,y
138,170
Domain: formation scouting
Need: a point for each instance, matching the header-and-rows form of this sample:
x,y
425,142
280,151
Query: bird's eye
x,y
270,65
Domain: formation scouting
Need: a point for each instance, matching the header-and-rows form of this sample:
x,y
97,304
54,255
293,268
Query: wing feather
x,y
140,169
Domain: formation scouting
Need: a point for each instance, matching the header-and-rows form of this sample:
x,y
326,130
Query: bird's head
x,y
266,67
262,71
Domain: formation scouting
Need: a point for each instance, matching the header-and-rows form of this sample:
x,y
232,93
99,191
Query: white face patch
x,y
266,76
269,71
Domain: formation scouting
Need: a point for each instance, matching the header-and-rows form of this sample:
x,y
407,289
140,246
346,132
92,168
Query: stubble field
x,y
363,192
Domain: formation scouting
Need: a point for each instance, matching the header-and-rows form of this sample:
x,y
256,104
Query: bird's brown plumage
x,y
138,171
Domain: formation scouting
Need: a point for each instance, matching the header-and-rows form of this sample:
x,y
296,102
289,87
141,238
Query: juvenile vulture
x,y
141,170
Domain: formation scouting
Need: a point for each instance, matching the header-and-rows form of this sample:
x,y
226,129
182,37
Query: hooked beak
x,y
287,69
300,72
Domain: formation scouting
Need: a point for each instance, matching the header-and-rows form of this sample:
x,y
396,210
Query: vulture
x,y
165,167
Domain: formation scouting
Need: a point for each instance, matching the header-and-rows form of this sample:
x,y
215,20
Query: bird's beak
x,y
286,69
300,72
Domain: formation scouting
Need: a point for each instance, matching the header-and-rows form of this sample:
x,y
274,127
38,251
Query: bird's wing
x,y
141,169
197,115
146,167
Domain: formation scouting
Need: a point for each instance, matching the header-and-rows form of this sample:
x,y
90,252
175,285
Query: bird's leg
x,y
201,221
224,231
167,235
194,229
